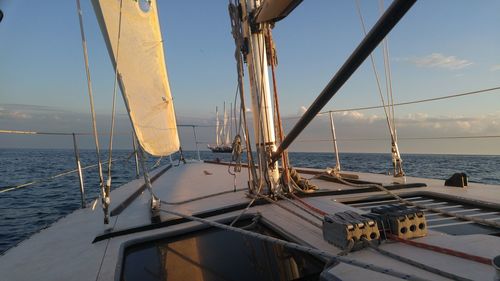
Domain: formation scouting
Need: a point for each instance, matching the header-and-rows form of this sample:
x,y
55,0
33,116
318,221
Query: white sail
x,y
275,10
142,71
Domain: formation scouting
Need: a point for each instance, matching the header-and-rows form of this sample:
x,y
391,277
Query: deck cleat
x,y
404,222
349,230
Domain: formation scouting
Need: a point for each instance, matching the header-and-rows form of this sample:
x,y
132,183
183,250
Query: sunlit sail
x,y
142,73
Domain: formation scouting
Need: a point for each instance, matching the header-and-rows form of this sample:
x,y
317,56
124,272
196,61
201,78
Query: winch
x,y
348,230
401,221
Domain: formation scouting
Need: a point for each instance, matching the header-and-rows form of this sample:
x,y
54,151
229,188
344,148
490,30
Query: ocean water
x,y
27,210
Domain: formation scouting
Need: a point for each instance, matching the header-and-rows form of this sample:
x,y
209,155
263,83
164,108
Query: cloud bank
x,y
357,131
438,60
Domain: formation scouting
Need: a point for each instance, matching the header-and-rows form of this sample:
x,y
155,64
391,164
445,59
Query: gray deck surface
x,y
65,251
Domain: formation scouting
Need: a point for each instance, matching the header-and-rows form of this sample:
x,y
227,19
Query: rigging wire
x,y
92,110
374,68
404,138
18,132
307,210
389,112
65,173
113,105
487,90
388,75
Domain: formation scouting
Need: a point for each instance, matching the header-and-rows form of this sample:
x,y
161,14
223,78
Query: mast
x,y
230,123
224,127
263,122
217,142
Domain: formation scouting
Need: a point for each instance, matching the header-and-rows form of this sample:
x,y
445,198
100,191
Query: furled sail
x,y
275,10
142,72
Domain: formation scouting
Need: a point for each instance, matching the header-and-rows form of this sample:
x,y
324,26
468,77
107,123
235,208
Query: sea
x,y
47,198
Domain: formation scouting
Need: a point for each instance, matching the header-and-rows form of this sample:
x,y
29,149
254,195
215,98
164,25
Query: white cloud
x,y
355,115
495,67
14,114
438,60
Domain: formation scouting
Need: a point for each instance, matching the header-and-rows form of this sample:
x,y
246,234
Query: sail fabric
x,y
142,72
275,10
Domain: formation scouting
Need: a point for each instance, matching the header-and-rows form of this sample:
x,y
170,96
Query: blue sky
x,y
439,48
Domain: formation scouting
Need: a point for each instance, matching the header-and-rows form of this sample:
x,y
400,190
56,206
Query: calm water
x,y
28,210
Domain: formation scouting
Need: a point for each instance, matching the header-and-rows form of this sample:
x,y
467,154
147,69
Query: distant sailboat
x,y
222,134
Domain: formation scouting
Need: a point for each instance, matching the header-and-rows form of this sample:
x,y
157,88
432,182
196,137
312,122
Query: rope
x,y
237,31
291,211
236,154
157,163
273,61
414,263
247,207
298,247
441,250
147,181
310,207
236,158
243,212
299,206
487,90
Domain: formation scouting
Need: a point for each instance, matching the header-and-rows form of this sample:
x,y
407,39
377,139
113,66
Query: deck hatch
x,y
440,222
214,254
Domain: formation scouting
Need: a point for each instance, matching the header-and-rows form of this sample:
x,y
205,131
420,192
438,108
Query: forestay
x,y
142,73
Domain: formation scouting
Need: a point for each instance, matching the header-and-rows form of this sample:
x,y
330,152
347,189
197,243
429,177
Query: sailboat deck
x,y
65,251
